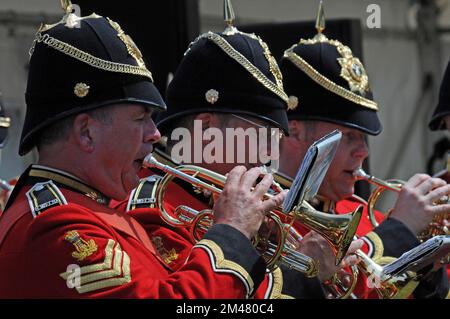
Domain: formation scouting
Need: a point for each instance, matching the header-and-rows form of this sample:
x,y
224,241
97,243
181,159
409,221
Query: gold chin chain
x,y
326,83
89,58
243,61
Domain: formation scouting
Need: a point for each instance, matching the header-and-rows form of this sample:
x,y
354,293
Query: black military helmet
x,y
443,107
5,123
229,72
79,64
325,82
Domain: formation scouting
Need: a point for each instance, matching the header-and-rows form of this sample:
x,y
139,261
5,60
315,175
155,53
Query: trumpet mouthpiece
x,y
149,161
359,173
5,186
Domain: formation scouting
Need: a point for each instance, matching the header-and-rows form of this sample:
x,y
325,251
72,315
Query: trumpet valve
x,y
185,214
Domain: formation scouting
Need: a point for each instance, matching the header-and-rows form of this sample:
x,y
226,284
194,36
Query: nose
x,y
361,149
151,132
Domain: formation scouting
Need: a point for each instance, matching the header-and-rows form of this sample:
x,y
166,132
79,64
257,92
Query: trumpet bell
x,y
338,230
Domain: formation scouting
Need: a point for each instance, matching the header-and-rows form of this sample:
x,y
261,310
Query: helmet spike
x,y
320,23
229,16
228,12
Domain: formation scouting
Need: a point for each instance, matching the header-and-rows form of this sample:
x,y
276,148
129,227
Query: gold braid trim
x,y
282,296
90,59
378,247
242,60
220,264
277,284
326,83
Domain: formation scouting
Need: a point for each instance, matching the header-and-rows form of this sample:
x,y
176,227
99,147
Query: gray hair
x,y
60,130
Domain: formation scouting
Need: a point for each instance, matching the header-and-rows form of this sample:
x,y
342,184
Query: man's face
x,y
121,147
338,182
251,142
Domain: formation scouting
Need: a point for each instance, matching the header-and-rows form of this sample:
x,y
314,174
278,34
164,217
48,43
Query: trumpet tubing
x,y
200,221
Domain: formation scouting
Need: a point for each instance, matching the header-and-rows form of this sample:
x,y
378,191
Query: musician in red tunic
x,y
90,99
329,89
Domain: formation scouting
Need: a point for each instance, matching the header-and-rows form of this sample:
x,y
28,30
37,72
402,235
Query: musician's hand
x,y
416,204
316,247
241,207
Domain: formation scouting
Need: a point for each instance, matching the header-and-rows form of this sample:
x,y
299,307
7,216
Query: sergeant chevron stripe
x,y
113,271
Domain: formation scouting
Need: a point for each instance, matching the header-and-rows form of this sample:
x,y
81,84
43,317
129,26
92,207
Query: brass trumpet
x,y
199,222
435,228
338,230
394,185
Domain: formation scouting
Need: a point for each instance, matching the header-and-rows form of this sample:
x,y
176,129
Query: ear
x,y
82,132
208,120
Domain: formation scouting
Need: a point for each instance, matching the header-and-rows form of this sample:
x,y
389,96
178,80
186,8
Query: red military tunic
x,y
58,239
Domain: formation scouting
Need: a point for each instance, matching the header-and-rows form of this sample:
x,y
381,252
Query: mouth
x,y
350,173
139,162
